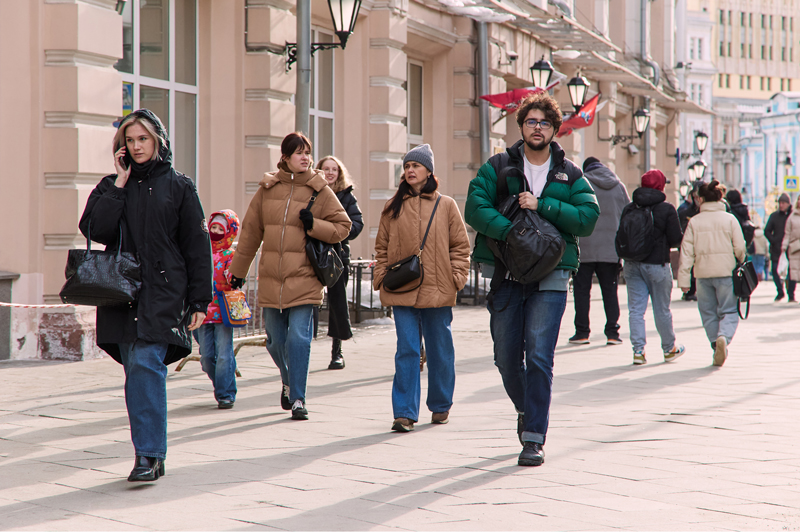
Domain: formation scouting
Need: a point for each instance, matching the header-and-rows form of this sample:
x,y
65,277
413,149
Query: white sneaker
x,y
720,351
639,358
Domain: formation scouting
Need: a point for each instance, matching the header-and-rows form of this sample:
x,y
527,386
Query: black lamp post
x,y
344,14
578,86
641,119
700,167
701,139
541,71
692,171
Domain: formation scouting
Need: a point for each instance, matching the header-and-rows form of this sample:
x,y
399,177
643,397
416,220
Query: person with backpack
x,y
648,229
713,245
526,317
742,214
598,255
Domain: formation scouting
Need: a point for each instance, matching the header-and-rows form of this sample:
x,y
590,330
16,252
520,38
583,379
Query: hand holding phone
x,y
122,163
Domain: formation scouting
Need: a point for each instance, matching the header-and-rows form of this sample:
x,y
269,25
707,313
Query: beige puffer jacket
x,y
791,244
760,242
285,276
712,244
445,258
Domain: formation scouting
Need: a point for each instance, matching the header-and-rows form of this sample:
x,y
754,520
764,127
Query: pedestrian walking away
x,y
215,339
598,255
742,214
689,208
760,250
419,221
339,181
649,278
774,231
278,220
525,318
791,242
159,214
713,245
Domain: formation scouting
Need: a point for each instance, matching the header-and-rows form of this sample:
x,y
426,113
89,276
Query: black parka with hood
x,y
164,225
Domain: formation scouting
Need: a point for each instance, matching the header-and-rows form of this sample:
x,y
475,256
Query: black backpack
x,y
636,234
748,231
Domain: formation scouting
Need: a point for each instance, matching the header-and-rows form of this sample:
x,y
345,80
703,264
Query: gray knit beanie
x,y
784,197
422,154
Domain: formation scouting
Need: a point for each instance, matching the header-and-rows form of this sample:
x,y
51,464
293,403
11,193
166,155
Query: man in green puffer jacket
x,y
525,319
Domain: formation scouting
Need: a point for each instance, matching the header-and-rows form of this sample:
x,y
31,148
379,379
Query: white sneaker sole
x,y
720,351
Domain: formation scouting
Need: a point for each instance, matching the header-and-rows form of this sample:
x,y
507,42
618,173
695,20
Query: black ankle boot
x,y
337,360
146,469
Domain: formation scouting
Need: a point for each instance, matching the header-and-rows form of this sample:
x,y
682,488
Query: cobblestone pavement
x,y
681,446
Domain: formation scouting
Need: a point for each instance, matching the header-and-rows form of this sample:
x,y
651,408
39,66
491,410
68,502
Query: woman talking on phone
x,y
157,213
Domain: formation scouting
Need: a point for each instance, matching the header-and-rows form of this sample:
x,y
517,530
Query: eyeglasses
x,y
543,124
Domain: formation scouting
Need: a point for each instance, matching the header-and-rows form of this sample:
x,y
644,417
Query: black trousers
x,y
339,309
608,275
790,284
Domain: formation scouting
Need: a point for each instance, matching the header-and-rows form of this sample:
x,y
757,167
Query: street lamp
x,y
692,171
641,119
541,71
701,139
699,168
683,188
577,91
343,14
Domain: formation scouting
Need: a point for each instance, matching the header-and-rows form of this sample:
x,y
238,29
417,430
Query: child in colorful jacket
x,y
215,339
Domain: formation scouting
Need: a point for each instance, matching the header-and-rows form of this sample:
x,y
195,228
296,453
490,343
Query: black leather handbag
x,y
101,278
408,269
533,247
323,257
745,281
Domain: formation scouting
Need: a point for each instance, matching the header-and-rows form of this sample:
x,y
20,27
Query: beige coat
x,y
445,258
791,244
760,242
712,244
285,276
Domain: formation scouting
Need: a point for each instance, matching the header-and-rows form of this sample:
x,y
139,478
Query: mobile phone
x,y
126,160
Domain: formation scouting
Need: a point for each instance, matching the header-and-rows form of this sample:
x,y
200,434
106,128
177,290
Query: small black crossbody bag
x,y
410,268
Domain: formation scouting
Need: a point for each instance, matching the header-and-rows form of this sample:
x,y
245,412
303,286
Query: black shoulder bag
x,y
409,269
745,281
101,278
323,257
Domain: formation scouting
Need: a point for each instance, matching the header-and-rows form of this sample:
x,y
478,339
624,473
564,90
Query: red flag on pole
x,y
584,117
509,101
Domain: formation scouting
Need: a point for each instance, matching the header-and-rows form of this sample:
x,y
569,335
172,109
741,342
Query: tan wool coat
x,y
712,244
791,244
285,276
445,258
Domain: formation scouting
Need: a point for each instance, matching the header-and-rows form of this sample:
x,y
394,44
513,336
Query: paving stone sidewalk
x,y
680,446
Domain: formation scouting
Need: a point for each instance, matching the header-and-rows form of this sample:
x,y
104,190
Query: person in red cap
x,y
648,274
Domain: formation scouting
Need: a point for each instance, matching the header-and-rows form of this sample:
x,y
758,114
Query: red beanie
x,y
654,179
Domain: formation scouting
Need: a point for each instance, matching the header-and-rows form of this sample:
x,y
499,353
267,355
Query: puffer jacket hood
x,y
601,176
741,211
164,151
230,234
647,197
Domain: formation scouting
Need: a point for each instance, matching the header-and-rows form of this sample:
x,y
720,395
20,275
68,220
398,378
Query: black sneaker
x,y
579,339
520,427
532,454
299,410
225,404
779,297
285,404
337,361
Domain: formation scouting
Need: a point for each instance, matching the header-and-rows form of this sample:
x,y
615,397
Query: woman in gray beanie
x,y
426,304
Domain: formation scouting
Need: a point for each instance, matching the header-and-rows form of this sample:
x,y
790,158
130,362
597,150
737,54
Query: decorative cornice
x,y
277,4
466,166
262,141
387,119
464,102
387,81
77,58
105,4
251,187
75,119
418,27
61,241
381,194
465,134
267,94
385,156
373,232
384,42
71,180
463,71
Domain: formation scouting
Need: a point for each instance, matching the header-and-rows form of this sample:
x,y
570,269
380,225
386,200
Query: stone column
x,y
606,125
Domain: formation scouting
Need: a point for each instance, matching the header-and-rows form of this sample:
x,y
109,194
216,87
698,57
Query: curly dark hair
x,y
711,191
545,103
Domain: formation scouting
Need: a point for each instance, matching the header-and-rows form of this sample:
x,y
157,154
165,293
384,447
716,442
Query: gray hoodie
x,y
612,197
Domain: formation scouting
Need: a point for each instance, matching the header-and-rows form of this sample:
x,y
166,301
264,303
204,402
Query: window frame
x,y
314,114
413,139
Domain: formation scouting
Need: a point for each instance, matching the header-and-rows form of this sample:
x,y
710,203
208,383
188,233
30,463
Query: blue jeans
x,y
760,264
717,306
146,396
525,334
217,359
435,326
289,333
654,282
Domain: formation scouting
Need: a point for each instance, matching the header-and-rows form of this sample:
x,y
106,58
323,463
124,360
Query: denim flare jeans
x,y
289,333
217,359
525,322
435,326
146,396
653,282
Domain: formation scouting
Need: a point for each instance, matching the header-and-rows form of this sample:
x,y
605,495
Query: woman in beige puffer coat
x,y
422,306
713,244
278,220
791,243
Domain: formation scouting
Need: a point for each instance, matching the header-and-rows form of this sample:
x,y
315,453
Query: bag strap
x,y
89,238
739,308
312,200
422,245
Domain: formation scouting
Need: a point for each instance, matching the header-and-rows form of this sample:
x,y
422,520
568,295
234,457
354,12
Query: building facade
x,y
216,72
